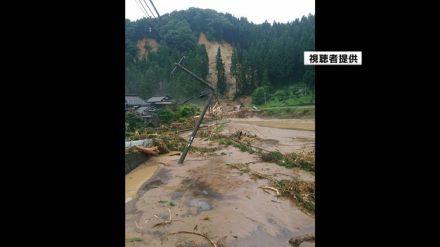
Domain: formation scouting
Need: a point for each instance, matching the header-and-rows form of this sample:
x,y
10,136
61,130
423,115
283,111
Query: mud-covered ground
x,y
207,196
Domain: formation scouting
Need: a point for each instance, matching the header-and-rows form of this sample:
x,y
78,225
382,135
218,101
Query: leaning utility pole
x,y
199,121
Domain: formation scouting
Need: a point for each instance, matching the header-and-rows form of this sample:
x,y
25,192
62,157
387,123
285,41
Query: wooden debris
x,y
150,151
169,221
302,192
195,233
206,218
221,241
296,241
174,153
271,188
165,222
261,175
138,229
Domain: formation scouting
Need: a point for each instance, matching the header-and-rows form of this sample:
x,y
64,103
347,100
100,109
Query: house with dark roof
x,y
133,102
160,101
145,109
145,112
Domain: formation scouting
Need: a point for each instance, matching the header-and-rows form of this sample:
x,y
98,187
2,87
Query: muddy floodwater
x,y
136,178
207,196
300,124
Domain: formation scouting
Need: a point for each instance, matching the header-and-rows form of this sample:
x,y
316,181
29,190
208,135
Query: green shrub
x,y
289,160
258,95
187,110
280,95
134,122
166,115
272,156
175,113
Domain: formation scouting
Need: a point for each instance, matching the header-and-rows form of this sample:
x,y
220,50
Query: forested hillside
x,y
266,57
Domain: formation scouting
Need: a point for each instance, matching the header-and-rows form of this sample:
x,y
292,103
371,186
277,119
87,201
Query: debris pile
x,y
168,141
216,111
139,228
197,234
211,132
166,222
301,192
182,125
244,136
165,138
244,112
150,151
304,160
231,110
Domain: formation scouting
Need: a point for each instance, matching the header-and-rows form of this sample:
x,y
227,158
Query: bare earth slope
x,y
151,44
226,51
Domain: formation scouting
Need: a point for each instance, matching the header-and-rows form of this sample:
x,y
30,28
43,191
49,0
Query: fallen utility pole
x,y
199,121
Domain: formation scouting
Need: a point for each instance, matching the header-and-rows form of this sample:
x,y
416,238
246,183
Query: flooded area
x,y
141,174
301,124
285,139
135,179
166,200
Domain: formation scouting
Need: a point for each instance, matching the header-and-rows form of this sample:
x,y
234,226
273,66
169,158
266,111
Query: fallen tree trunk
x,y
151,151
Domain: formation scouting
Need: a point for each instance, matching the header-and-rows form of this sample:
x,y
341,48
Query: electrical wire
x,y
152,13
155,8
139,4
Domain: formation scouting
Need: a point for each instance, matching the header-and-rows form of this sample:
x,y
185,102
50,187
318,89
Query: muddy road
x,y
205,195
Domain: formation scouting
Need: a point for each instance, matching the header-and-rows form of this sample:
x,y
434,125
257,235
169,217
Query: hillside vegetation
x,y
252,58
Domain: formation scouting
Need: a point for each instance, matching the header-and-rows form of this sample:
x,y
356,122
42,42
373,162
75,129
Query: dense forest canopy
x,y
264,55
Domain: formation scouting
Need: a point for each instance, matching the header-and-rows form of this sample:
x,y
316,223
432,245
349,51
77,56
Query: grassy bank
x,y
288,112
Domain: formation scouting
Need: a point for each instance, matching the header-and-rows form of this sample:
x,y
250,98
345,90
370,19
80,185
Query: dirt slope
x,y
150,43
226,50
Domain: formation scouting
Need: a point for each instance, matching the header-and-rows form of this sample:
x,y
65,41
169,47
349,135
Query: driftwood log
x,y
297,241
150,151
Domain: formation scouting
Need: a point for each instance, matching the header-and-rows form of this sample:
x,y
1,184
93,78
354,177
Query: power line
x,y
152,13
155,8
139,4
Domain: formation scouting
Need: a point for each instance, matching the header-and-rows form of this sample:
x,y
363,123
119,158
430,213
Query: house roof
x,y
141,109
144,109
158,99
134,100
164,103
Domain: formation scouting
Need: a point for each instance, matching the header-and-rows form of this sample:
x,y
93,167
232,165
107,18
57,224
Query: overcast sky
x,y
256,11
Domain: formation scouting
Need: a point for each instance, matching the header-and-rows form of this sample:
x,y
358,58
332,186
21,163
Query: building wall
x,y
133,160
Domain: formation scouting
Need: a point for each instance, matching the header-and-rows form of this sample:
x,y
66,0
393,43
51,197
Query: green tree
x,y
133,121
309,78
221,78
259,96
265,82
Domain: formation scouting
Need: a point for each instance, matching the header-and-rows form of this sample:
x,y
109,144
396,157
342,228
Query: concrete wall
x,y
145,142
133,160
